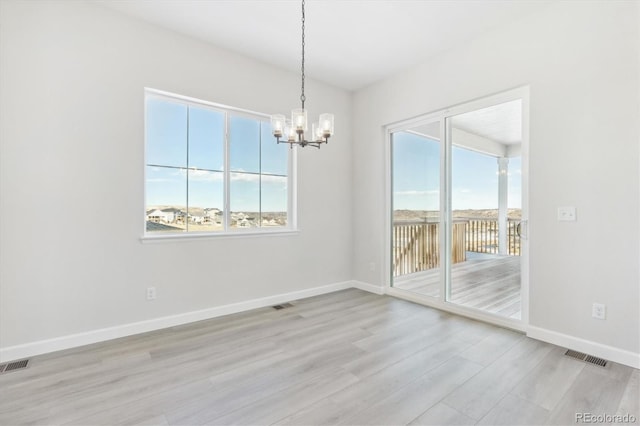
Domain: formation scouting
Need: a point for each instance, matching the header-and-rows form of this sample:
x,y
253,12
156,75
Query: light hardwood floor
x,y
487,282
344,358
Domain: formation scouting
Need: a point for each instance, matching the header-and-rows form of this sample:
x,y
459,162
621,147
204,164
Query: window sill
x,y
150,239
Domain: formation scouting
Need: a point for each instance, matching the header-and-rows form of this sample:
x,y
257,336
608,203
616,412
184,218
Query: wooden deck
x,y
487,282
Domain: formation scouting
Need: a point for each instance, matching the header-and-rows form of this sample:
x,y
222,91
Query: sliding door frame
x,y
443,117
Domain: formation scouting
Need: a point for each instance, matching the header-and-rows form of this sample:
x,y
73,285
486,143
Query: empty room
x,y
319,212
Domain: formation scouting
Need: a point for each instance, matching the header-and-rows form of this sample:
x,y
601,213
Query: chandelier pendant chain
x,y
302,96
293,131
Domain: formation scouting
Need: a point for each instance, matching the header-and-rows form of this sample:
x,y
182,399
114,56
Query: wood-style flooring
x,y
487,282
348,357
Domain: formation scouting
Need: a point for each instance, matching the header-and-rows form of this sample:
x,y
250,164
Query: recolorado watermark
x,y
605,418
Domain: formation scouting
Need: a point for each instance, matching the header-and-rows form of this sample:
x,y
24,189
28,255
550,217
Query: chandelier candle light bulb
x,y
326,121
291,133
299,117
316,132
320,131
278,123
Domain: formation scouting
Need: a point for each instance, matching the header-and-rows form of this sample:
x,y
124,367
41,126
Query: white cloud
x,y
246,177
205,176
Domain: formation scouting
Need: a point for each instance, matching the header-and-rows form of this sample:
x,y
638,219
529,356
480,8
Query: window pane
x,y
274,156
166,191
415,240
166,133
244,144
206,139
416,176
205,201
477,190
245,200
274,201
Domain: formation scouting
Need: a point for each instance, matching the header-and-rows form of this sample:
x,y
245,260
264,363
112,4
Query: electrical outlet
x,y
372,267
599,311
151,293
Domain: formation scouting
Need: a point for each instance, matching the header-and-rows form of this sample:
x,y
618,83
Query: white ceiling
x,y
349,43
501,123
495,130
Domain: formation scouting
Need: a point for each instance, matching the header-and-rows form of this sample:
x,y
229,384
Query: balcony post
x,y
503,185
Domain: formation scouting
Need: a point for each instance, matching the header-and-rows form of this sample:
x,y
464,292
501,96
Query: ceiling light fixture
x,y
296,128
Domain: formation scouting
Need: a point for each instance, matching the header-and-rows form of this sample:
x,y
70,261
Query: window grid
x,y
227,228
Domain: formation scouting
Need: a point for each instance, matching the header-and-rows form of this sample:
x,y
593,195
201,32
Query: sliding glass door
x,y
456,208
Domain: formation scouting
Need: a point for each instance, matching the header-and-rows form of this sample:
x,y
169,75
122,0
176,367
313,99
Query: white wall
x,y
71,108
581,62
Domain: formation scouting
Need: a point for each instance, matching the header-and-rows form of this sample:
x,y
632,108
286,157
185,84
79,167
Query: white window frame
x,y
227,231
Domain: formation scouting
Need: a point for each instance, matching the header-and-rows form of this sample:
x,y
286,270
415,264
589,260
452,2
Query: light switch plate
x,y
567,214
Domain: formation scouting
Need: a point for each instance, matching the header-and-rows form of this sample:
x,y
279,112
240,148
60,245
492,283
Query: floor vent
x,y
16,365
282,306
597,361
586,358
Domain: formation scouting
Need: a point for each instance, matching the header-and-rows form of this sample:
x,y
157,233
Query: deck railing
x,y
416,245
482,236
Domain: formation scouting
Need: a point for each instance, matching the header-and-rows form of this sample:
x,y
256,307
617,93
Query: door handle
x,y
523,229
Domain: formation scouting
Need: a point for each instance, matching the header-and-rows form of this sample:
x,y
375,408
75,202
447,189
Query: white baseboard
x,y
80,339
610,353
376,289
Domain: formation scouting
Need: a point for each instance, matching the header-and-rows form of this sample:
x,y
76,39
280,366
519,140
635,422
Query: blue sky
x,y
416,176
193,151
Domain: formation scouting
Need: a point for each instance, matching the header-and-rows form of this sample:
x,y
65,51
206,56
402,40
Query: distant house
x,y
168,215
238,216
242,220
243,223
196,218
211,215
179,216
159,216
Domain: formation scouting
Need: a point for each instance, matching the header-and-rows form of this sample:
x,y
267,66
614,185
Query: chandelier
x,y
294,129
